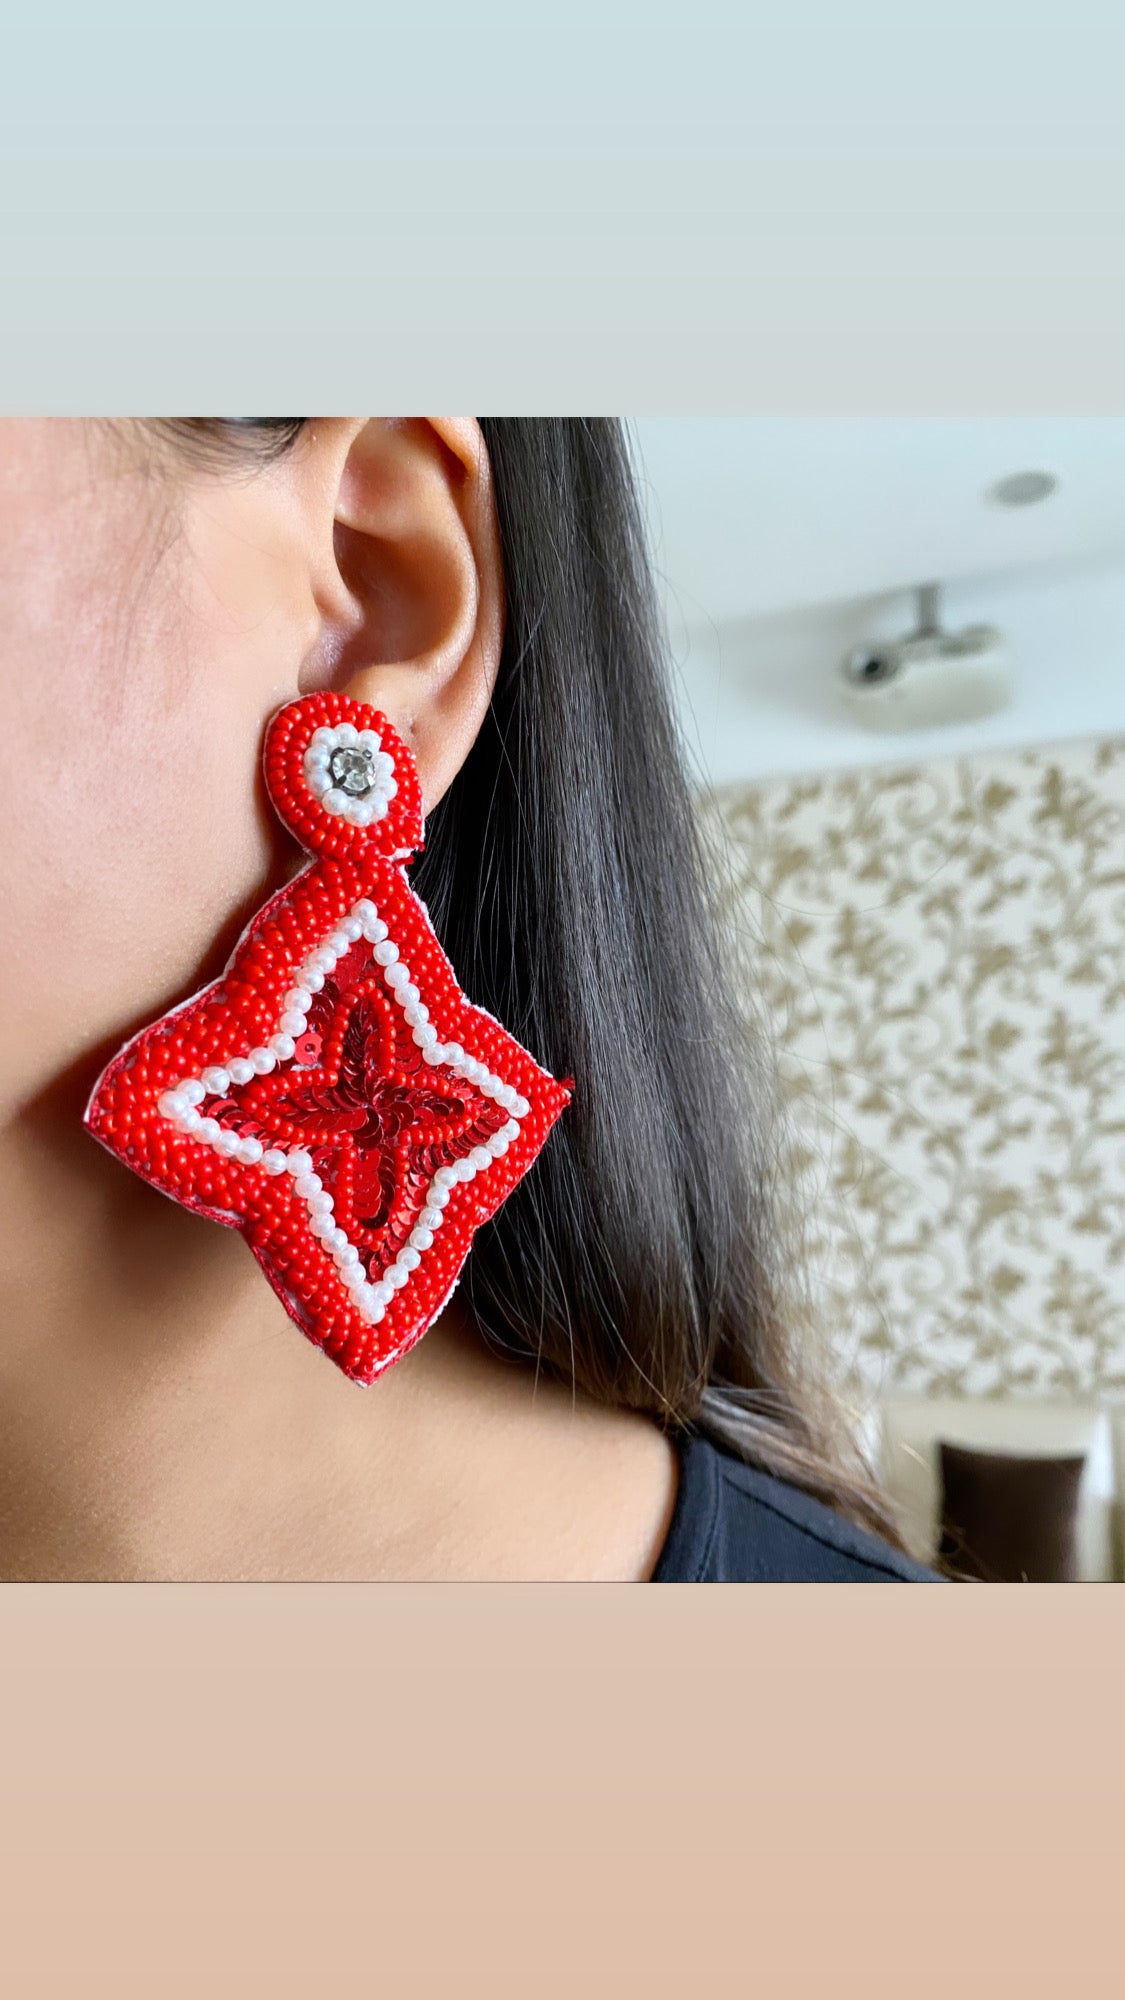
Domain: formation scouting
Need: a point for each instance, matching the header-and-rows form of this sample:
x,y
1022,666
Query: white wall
x,y
782,541
760,696
754,515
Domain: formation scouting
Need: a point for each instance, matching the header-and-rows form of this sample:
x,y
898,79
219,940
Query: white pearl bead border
x,y
180,1107
318,774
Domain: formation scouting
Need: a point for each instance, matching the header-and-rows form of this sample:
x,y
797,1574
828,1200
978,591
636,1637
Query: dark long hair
x,y
565,876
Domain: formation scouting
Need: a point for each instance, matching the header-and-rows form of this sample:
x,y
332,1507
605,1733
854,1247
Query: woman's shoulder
x,y
734,1524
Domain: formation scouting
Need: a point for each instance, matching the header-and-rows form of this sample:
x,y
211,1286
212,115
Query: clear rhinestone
x,y
352,771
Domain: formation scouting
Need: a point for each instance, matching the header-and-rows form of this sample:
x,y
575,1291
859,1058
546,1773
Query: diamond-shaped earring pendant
x,y
334,1096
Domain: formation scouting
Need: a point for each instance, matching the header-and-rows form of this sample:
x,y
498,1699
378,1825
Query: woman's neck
x,y
161,1417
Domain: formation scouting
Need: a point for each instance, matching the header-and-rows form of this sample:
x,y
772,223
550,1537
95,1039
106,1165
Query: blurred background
x,y
899,655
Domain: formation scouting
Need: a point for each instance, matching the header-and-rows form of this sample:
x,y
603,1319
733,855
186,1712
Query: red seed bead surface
x,y
356,1094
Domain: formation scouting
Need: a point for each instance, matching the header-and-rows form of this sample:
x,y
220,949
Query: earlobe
x,y
417,552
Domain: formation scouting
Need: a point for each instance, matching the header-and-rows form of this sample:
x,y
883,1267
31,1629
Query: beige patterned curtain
x,y
940,951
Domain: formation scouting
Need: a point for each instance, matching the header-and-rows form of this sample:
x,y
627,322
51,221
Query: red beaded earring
x,y
334,1095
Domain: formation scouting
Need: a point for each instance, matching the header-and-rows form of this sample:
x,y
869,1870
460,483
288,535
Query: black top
x,y
734,1525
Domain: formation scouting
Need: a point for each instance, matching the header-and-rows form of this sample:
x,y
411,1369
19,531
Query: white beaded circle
x,y
349,773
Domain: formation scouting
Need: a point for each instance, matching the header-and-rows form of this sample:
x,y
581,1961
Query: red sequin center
x,y
356,1102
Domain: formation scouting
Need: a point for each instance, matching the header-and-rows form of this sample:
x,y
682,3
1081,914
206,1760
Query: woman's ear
x,y
413,597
